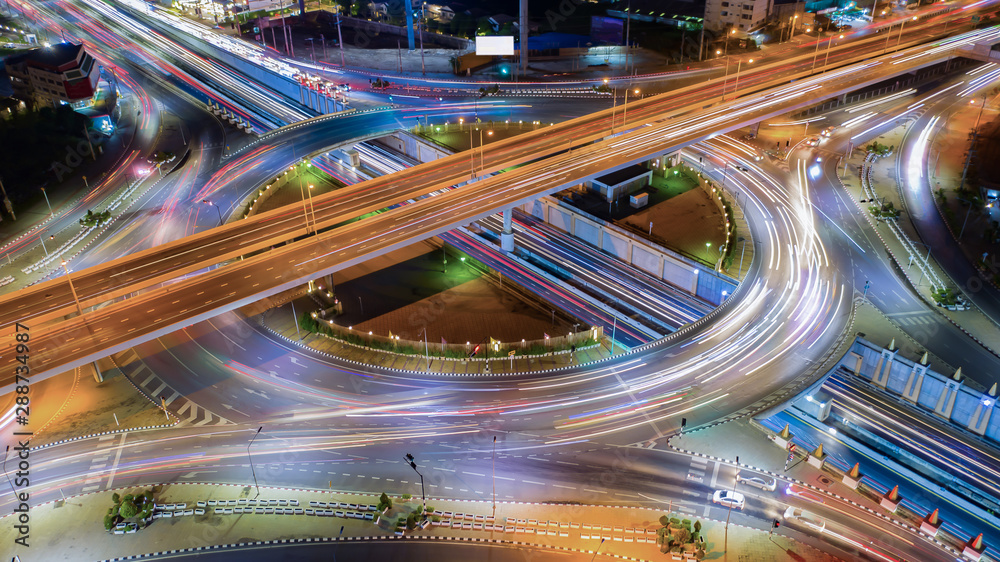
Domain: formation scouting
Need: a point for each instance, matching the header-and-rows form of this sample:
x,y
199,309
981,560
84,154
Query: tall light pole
x,y
726,547
818,41
72,289
625,107
47,201
972,147
482,150
216,209
42,240
312,207
494,476
900,40
829,45
614,104
736,89
252,471
420,27
410,461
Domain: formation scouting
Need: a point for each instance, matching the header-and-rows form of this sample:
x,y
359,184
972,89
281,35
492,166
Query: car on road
x,y
828,132
728,498
812,141
811,520
757,481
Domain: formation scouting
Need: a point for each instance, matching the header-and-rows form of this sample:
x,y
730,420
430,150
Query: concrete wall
x,y
413,146
656,260
969,404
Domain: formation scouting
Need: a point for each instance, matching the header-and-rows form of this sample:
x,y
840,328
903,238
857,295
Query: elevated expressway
x,y
661,126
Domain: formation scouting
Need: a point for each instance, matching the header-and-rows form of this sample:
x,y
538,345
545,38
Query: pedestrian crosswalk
x,y
98,465
186,411
915,318
696,472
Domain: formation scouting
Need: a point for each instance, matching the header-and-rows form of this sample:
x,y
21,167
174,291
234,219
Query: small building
x,y
622,182
741,16
63,73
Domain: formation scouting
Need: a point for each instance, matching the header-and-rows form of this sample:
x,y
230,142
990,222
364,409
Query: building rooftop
x,y
622,175
51,56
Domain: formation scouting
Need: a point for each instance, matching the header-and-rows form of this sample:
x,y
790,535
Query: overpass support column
x,y
507,236
98,375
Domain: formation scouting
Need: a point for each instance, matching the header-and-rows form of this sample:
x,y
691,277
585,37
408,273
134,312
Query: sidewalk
x,y
71,528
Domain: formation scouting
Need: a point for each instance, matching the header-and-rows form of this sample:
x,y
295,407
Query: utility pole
x,y
6,201
252,471
972,146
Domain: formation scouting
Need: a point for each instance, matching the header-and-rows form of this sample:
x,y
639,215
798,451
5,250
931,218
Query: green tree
x,y
664,520
109,522
128,509
116,498
384,502
697,526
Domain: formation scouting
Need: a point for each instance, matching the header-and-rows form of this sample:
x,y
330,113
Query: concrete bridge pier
x,y
507,236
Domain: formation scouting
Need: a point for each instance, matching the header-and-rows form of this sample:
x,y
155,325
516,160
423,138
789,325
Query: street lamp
x,y
482,150
726,547
47,201
737,87
312,207
972,146
625,108
900,39
252,471
72,289
410,461
216,209
614,104
826,59
42,240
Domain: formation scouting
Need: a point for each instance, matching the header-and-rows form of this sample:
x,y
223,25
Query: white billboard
x,y
490,46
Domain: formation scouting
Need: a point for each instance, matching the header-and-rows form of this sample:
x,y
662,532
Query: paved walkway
x,y
71,529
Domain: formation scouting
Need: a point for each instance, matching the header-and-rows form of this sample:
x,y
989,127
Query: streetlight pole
x,y
50,205
312,207
482,150
972,145
410,461
72,289
826,59
614,104
726,546
420,27
900,40
252,471
818,41
494,476
216,209
625,107
736,88
598,550
42,240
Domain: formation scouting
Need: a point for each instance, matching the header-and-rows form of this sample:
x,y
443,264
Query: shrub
x,y
664,520
116,498
384,502
406,497
697,526
128,509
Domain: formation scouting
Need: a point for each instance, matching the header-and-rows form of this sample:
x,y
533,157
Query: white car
x,y
812,141
810,520
727,498
828,132
757,481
